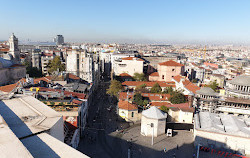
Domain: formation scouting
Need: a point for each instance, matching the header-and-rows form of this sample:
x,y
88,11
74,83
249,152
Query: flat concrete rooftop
x,y
223,123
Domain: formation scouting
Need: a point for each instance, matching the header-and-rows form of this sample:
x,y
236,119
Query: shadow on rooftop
x,y
36,146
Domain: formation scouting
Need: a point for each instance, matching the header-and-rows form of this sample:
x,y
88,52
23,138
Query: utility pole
x,y
152,126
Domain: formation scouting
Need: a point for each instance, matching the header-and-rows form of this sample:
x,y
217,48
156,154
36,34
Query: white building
x,y
36,130
45,59
153,122
129,65
222,131
80,63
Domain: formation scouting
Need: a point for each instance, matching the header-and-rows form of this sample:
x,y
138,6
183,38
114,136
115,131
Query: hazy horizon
x,y
163,21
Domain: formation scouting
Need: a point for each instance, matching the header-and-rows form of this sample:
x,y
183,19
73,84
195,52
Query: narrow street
x,y
107,137
102,120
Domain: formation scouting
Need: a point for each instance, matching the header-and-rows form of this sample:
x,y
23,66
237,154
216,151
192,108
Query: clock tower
x,y
14,51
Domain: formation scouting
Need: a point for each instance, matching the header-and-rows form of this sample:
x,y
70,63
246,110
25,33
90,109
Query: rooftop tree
x,y
156,88
139,77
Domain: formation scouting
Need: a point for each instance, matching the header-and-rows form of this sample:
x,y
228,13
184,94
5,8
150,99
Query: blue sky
x,y
152,21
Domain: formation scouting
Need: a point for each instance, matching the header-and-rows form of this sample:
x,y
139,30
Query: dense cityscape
x,y
125,79
131,100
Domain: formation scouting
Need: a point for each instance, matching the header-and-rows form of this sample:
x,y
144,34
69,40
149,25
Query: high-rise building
x,y
59,39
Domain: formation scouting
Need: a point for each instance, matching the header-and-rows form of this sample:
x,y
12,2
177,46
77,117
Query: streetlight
x,y
198,150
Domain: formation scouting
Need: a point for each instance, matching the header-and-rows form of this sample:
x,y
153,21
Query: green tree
x,y
156,88
168,90
141,88
114,88
32,71
194,81
139,77
214,85
139,100
55,65
52,103
164,108
177,98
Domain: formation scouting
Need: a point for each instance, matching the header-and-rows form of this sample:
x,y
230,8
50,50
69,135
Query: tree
x,y
114,88
139,77
141,88
214,85
168,90
32,71
164,108
139,100
177,98
55,65
156,88
194,80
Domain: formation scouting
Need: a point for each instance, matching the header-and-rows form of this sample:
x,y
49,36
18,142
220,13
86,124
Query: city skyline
x,y
128,21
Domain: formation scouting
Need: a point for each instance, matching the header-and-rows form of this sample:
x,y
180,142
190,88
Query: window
x,y
132,114
163,77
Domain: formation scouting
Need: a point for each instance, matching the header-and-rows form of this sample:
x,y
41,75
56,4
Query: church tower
x,y
14,51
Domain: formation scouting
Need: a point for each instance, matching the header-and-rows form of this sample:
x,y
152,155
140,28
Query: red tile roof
x,y
46,79
126,105
178,78
183,107
150,96
170,63
10,87
73,77
159,104
77,101
187,84
191,87
4,50
125,75
148,84
154,74
133,58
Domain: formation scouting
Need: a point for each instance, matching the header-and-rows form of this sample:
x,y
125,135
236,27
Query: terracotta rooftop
x,y
154,74
178,78
125,75
10,87
148,84
133,58
73,77
126,105
170,63
151,96
182,106
187,84
4,50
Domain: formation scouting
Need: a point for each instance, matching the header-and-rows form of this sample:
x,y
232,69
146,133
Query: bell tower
x,y
14,51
